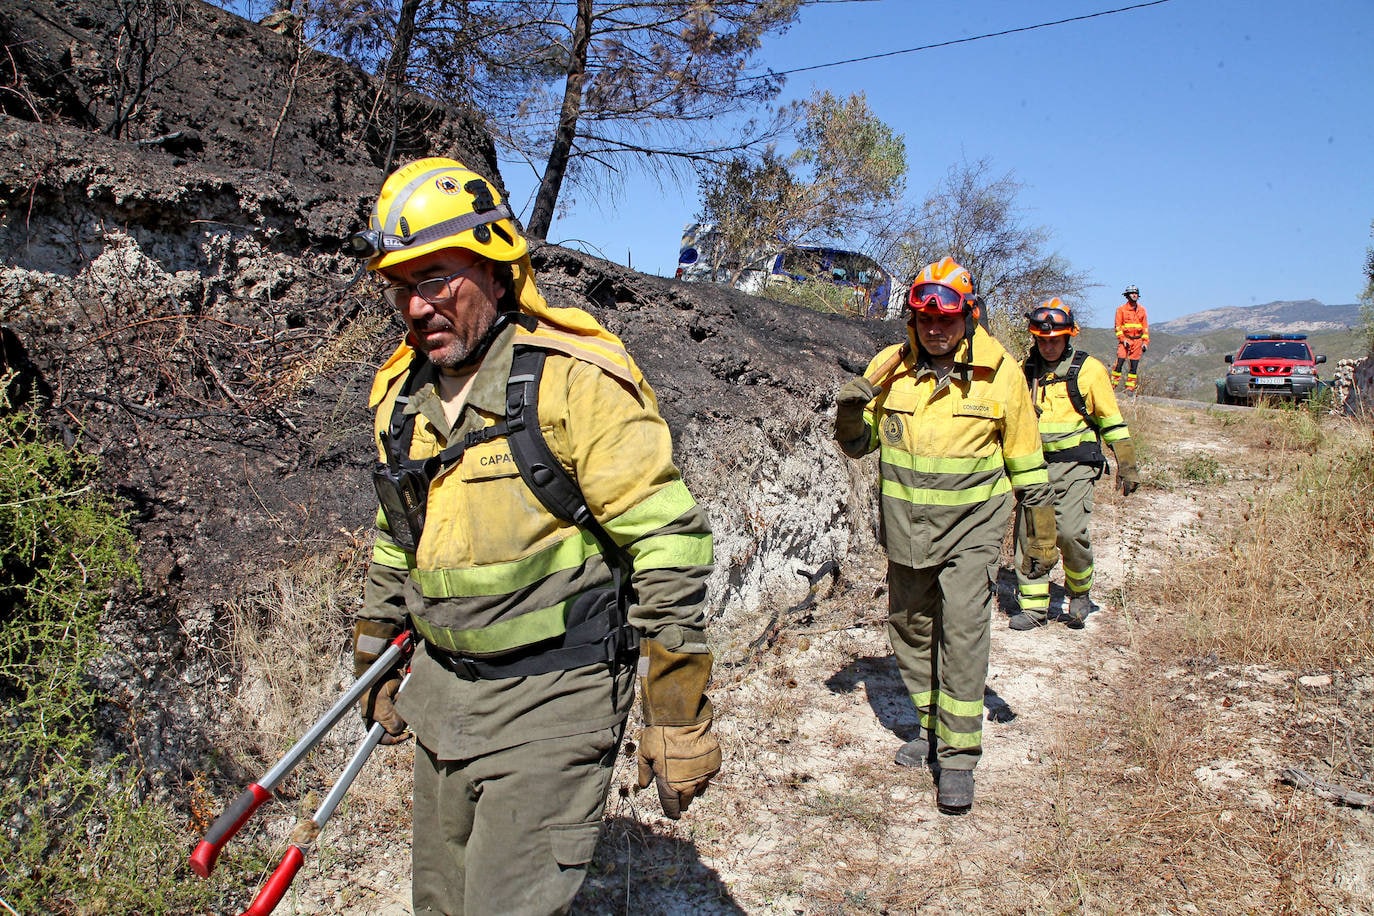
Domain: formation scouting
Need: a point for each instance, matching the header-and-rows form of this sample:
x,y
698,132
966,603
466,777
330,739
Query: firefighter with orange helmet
x,y
949,413
1077,412
1132,337
533,627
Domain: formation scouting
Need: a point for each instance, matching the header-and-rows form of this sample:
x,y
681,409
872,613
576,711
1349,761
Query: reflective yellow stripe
x,y
1059,445
931,497
1072,576
386,553
664,506
668,551
971,708
505,578
1035,459
929,465
524,630
929,721
1030,478
1035,589
962,740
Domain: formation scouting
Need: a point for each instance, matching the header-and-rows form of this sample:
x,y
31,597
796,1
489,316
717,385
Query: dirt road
x,y
1110,782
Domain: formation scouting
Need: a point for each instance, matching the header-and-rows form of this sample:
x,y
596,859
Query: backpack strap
x,y
601,631
1076,393
543,473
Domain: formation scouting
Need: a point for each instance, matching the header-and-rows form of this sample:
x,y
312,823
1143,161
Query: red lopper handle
x,y
224,828
276,886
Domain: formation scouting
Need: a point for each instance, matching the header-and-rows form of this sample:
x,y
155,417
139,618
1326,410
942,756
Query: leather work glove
x,y
850,401
677,750
1041,553
1127,478
370,639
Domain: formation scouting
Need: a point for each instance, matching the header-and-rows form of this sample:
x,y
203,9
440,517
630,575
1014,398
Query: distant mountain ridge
x,y
1307,316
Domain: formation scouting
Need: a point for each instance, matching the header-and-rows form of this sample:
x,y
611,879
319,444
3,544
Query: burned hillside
x,y
188,307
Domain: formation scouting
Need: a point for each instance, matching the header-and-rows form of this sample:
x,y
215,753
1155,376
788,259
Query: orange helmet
x,y
1052,318
944,288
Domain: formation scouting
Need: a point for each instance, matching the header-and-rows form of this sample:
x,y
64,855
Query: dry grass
x,y
289,639
1291,580
1162,792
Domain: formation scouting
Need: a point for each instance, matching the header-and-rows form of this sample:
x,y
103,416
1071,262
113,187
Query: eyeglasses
x,y
435,290
935,297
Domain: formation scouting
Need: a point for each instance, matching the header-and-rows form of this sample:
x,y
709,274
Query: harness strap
x,y
1083,453
606,636
593,642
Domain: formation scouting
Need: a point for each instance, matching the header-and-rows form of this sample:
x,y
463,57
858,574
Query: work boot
x,y
1080,606
954,794
1023,621
915,752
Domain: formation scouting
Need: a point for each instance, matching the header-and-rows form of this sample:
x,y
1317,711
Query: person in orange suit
x,y
1132,337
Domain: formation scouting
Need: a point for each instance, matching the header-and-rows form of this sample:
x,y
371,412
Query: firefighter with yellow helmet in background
x,y
949,413
1078,412
528,624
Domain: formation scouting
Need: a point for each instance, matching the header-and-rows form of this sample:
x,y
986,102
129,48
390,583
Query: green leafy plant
x,y
74,836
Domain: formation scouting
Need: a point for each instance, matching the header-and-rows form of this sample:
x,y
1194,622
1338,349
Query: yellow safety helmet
x,y
1051,318
432,204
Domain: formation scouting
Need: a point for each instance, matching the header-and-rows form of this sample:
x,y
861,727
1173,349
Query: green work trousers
x,y
938,622
510,832
1073,512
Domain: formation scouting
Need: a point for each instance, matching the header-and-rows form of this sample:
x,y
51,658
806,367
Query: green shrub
x,y
819,296
74,838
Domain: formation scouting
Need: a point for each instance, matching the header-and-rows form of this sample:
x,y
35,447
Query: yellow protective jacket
x,y
1065,435
953,451
1132,323
495,571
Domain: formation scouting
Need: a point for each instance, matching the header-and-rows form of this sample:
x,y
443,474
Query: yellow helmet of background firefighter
x,y
432,204
944,287
1051,318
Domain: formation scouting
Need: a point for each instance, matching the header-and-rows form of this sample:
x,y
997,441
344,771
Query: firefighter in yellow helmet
x,y
1078,412
531,627
950,416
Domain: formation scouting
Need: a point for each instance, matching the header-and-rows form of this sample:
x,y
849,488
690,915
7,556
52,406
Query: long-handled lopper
x,y
306,832
251,798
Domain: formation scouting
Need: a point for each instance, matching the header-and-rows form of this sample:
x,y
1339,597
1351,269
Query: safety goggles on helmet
x,y
936,297
435,290
1050,321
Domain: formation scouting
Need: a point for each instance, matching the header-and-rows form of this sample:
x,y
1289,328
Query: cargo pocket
x,y
574,844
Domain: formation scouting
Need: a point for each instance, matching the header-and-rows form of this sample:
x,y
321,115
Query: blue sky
x,y
1212,152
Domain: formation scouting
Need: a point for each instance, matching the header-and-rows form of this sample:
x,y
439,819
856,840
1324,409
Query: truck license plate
x,y
1270,381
